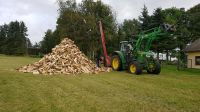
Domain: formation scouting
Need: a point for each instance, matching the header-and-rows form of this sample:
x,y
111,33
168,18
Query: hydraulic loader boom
x,y
150,35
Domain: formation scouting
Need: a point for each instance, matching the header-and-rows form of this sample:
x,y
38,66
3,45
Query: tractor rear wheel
x,y
134,68
116,63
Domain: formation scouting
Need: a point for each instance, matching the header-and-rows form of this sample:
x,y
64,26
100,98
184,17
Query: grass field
x,y
107,92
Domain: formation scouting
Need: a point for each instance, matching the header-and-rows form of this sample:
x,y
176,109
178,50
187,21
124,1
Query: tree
x,y
131,28
13,38
16,39
121,35
80,22
47,43
24,41
37,45
162,44
101,12
179,18
157,17
194,23
28,43
182,36
3,37
145,19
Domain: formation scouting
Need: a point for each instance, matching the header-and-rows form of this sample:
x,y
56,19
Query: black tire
x,y
151,68
156,70
149,72
119,68
138,69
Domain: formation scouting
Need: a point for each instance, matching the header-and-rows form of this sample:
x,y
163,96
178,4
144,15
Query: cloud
x,y
40,15
128,9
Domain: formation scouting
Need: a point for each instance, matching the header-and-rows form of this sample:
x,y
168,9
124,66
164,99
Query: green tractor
x,y
136,56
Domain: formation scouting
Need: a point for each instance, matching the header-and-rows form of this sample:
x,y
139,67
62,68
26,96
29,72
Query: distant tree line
x,y
79,22
13,39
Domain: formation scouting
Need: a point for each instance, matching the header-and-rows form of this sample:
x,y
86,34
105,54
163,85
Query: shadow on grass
x,y
144,73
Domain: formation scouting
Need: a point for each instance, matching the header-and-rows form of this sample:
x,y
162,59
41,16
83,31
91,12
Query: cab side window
x,y
123,48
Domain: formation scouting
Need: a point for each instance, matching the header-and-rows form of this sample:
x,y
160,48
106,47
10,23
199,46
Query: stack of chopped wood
x,y
66,58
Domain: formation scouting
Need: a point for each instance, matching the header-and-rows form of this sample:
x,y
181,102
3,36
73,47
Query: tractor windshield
x,y
126,46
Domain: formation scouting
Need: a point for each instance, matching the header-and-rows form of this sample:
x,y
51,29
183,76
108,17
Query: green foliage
x,y
13,38
194,25
157,17
48,42
145,19
179,18
3,36
130,28
181,37
79,22
28,42
172,15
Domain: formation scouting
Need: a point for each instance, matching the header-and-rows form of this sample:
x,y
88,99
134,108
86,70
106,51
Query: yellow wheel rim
x,y
115,63
132,68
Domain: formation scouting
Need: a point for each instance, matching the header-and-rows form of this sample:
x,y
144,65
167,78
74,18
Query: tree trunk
x,y
167,55
170,58
178,63
157,54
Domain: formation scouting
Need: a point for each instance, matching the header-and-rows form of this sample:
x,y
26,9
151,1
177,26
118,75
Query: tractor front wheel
x,y
134,68
116,63
155,69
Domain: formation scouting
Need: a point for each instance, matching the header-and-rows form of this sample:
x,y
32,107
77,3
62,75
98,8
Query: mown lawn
x,y
107,92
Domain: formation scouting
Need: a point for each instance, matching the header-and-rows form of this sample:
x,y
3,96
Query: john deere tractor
x,y
136,56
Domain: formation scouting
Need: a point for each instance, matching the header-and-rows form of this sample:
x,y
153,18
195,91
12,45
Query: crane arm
x,y
107,58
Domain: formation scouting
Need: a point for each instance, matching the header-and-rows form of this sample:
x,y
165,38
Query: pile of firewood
x,y
65,58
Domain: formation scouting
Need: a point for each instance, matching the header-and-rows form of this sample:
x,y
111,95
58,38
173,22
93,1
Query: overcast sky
x,y
40,15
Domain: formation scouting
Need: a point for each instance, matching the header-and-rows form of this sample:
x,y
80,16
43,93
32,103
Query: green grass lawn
x,y
107,92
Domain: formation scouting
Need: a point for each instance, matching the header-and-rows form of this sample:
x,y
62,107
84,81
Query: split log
x,y
65,58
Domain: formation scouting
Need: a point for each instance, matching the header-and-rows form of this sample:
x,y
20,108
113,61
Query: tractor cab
x,y
127,50
126,46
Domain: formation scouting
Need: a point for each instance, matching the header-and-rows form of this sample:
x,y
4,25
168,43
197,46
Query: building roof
x,y
194,47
